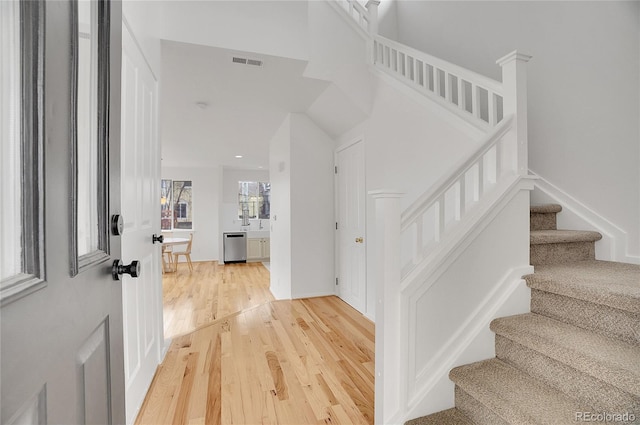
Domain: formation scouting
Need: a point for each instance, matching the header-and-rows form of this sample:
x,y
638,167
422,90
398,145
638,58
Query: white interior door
x,y
351,225
140,165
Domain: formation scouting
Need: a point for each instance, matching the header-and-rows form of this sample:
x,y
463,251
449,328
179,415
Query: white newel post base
x,y
386,260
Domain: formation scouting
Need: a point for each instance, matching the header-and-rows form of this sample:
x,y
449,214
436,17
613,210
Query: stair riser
x,y
542,221
599,318
476,411
578,385
555,253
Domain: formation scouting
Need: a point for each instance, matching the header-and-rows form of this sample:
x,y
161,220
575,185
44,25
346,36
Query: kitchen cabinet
x,y
258,249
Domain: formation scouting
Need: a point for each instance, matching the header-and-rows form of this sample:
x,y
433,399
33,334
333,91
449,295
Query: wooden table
x,y
170,242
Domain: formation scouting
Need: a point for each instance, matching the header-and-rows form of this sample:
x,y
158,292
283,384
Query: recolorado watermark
x,y
612,417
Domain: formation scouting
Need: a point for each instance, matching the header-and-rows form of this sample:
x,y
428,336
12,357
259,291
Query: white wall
x,y
206,199
302,213
144,19
408,147
280,166
584,91
312,211
276,28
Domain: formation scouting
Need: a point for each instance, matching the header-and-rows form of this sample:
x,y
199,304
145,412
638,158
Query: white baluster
x,y
480,178
461,98
462,197
492,108
447,86
477,107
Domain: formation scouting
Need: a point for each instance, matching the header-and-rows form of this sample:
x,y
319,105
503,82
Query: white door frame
x,y
342,147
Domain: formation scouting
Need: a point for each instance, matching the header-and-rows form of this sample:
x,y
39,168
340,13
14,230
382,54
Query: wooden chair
x,y
167,264
186,253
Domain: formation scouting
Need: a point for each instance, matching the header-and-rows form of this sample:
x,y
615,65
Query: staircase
x,y
575,358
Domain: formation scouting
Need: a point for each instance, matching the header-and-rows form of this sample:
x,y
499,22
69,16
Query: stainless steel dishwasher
x,y
235,247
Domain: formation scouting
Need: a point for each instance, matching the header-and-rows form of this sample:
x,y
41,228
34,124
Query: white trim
x,y
463,235
349,20
477,321
612,235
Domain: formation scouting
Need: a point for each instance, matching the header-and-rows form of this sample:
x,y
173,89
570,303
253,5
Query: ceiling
x,y
212,109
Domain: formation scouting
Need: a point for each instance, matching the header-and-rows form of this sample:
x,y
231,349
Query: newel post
x,y
372,7
514,83
386,272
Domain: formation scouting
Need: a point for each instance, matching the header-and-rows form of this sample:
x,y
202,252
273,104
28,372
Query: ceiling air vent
x,y
246,61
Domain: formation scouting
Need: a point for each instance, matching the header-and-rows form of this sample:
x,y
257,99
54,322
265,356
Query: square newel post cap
x,y
515,55
372,3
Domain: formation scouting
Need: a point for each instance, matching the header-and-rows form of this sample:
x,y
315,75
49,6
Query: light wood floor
x,y
194,299
280,362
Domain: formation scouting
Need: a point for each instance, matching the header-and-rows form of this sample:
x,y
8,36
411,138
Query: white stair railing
x,y
476,98
431,216
439,218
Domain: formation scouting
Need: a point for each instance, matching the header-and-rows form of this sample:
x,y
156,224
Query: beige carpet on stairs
x,y
574,357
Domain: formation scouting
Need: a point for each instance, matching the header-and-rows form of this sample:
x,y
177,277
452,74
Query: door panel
x,y
142,297
351,225
61,352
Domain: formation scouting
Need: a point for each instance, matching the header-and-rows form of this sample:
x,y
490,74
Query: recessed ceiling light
x,y
238,156
260,166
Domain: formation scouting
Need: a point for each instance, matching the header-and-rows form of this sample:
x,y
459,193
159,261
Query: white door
x,y
351,225
140,165
61,358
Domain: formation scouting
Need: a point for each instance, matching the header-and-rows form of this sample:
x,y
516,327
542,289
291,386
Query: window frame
x,y
80,263
33,272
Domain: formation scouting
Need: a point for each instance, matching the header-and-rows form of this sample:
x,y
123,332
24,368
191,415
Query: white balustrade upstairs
x,y
359,13
476,98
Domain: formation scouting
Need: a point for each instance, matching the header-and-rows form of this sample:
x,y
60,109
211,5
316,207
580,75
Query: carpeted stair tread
x,y
545,209
607,320
445,417
608,283
538,237
577,385
514,395
608,359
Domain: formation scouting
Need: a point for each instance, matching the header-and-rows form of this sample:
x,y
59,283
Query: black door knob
x,y
157,238
118,268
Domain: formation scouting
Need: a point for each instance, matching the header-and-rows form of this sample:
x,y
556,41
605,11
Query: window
x,y
22,266
176,204
254,200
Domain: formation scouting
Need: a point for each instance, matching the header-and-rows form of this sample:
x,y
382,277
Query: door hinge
x,y
336,281
335,169
336,225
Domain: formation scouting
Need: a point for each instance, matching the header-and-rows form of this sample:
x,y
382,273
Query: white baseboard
x,y
575,215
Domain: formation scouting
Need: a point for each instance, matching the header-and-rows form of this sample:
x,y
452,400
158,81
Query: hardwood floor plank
x,y
275,362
